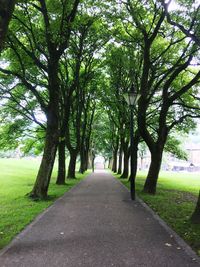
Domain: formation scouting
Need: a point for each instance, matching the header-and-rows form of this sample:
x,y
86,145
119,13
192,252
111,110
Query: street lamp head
x,y
131,97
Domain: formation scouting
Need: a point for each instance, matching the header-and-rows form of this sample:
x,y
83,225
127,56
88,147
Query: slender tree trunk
x,y
110,163
135,160
126,162
41,185
120,161
61,163
86,160
154,169
114,166
135,153
72,165
93,158
195,218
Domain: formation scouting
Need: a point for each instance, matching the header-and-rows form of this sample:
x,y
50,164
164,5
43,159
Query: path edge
x,y
37,218
180,241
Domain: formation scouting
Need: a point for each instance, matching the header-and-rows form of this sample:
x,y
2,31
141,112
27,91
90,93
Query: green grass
x,y
17,177
174,202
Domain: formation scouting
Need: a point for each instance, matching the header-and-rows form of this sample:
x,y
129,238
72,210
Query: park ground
x,y
17,177
174,202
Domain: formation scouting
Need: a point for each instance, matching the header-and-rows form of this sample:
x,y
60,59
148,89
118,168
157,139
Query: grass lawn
x,y
174,202
17,177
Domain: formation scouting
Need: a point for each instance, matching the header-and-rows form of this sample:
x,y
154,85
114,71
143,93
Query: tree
x,y
82,69
101,135
186,21
191,29
117,65
165,81
37,50
6,10
195,218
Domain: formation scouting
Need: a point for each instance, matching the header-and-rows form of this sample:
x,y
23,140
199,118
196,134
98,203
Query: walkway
x,y
96,225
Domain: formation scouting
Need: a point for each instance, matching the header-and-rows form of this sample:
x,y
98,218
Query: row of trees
x,y
163,65
66,65
48,82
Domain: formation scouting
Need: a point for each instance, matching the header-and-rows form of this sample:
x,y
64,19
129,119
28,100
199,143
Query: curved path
x,y
96,225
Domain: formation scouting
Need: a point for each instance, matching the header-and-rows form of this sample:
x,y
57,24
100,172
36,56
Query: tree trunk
x,y
154,169
89,159
114,166
61,163
93,158
41,185
120,161
135,160
195,218
110,163
126,162
72,165
135,153
86,160
83,161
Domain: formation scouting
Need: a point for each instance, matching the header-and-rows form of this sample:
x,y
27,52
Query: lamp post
x,y
93,158
132,98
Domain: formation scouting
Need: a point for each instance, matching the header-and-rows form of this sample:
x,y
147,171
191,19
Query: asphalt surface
x,y
96,225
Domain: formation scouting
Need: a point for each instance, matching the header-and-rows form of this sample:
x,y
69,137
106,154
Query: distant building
x,y
171,163
193,153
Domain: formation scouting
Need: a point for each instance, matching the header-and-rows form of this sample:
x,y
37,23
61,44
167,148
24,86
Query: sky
x,y
174,6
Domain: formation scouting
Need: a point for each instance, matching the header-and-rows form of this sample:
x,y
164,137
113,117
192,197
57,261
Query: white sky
x,y
174,6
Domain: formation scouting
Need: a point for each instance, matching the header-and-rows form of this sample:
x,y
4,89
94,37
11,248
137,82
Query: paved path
x,y
96,225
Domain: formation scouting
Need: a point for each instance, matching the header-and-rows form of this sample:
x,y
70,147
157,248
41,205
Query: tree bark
x,y
89,159
40,188
195,218
110,163
86,160
93,158
126,162
114,166
61,163
135,160
154,169
135,153
120,161
41,185
83,161
72,165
